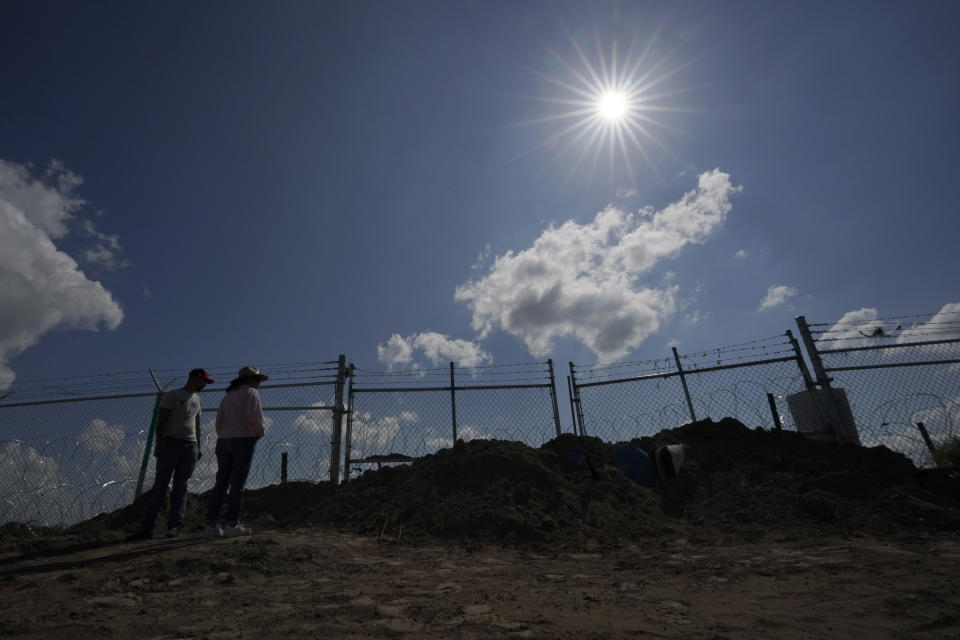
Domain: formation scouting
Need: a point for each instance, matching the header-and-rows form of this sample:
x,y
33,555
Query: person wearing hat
x,y
239,426
177,452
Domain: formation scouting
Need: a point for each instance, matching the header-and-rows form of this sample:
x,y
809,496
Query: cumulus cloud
x,y
465,433
854,327
42,287
741,254
30,485
436,347
582,280
371,434
776,296
100,436
944,325
106,252
863,328
315,422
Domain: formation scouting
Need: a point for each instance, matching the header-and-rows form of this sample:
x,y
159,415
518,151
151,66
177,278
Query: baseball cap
x,y
201,373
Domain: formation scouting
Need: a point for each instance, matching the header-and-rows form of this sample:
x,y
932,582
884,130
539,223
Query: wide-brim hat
x,y
250,371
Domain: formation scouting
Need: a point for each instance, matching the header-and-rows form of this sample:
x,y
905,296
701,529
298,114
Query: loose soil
x,y
761,534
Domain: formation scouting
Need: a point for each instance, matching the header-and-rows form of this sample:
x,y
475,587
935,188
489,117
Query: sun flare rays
x,y
608,105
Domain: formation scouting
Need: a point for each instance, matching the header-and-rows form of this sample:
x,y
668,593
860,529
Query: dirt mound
x,y
736,484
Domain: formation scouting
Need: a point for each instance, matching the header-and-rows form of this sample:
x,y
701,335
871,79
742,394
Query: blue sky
x,y
204,184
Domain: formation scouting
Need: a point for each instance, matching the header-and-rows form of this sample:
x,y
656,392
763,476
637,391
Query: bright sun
x,y
612,106
609,105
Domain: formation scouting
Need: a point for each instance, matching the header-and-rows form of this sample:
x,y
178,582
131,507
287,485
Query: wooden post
x,y
573,414
338,411
683,381
930,445
283,468
553,397
453,405
773,410
576,400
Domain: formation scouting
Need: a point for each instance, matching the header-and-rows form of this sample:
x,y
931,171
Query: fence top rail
x,y
688,372
892,365
901,345
493,374
459,387
730,354
650,376
153,394
132,383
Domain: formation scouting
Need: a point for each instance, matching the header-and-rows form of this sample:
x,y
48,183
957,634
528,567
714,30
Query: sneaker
x,y
213,531
173,533
235,530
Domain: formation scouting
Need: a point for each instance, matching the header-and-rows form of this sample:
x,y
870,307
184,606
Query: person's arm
x,y
218,423
163,416
255,414
199,441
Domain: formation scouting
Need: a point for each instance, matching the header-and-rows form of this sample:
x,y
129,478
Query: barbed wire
x,y
897,319
134,382
516,373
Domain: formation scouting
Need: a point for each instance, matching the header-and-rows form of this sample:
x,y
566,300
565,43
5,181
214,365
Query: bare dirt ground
x,y
339,585
763,535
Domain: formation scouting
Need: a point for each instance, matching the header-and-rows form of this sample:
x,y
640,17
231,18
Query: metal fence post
x,y
773,410
576,401
807,380
837,423
148,447
553,397
453,405
683,381
812,351
337,420
150,433
573,415
349,447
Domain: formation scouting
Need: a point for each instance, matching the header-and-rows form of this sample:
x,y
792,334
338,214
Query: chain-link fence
x,y
400,415
71,450
636,399
898,373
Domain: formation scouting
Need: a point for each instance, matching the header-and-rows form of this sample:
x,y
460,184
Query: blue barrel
x,y
636,464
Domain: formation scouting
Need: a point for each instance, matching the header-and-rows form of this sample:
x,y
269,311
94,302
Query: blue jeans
x,y
234,456
177,460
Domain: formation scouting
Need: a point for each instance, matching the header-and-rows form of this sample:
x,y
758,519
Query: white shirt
x,y
184,407
240,414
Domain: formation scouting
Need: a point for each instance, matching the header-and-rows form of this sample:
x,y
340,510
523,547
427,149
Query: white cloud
x,y
465,433
436,347
314,422
397,351
777,295
482,258
106,253
31,486
862,328
854,328
100,436
374,435
40,286
741,254
943,325
582,280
